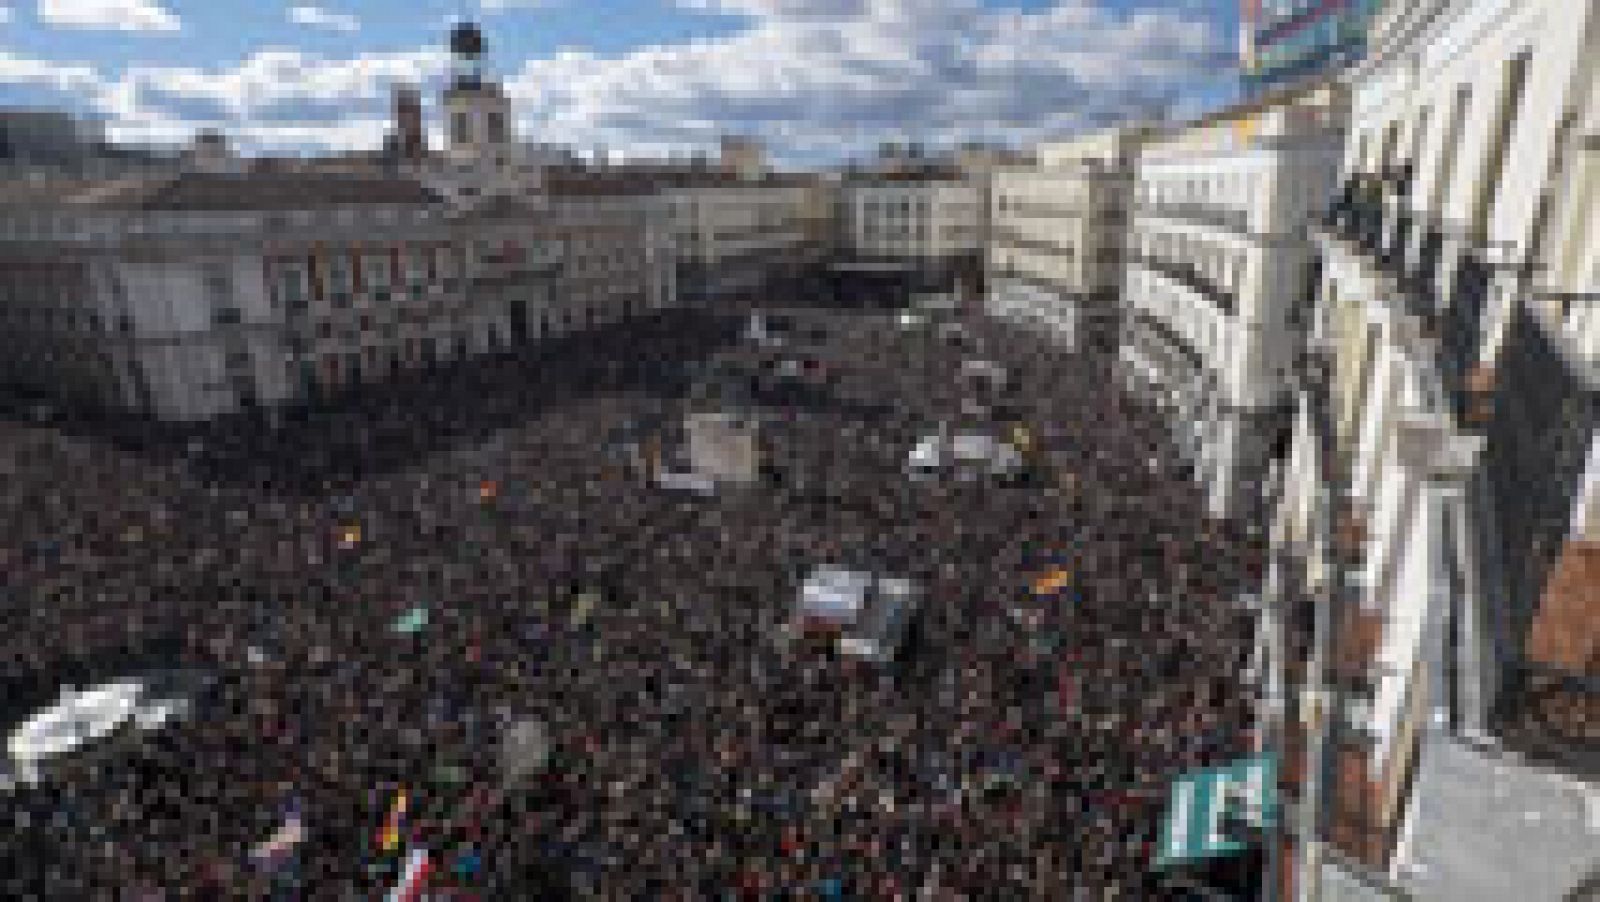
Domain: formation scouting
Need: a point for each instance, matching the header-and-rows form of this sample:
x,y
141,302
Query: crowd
x,y
1021,749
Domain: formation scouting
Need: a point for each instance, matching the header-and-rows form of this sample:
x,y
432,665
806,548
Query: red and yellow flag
x,y
389,837
1051,581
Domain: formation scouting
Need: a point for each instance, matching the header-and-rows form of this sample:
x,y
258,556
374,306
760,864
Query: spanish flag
x,y
350,536
487,490
1051,582
389,838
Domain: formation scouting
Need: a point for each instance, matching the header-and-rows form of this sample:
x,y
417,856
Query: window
x,y
339,274
375,270
218,279
1511,101
226,316
290,287
460,128
417,267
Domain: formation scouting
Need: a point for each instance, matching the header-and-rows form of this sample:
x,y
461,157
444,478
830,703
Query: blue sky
x,y
814,78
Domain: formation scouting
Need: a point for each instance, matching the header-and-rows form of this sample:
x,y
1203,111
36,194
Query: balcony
x,y
1013,238
1461,337
1225,218
1545,409
1190,278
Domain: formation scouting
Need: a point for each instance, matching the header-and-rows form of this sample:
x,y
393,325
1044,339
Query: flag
x,y
389,837
1051,581
487,490
1022,438
413,878
273,852
413,621
582,608
350,536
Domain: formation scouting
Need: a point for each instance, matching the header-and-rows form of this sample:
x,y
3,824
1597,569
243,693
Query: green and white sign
x,y
1195,826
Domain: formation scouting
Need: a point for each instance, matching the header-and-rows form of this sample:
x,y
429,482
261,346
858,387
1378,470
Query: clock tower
x,y
478,115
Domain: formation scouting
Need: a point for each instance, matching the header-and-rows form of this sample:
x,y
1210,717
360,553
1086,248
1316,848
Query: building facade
x,y
739,237
907,231
1431,633
231,285
1219,271
1057,231
197,295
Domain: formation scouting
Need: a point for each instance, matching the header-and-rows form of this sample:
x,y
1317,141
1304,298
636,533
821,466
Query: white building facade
x,y
1057,232
1218,265
738,237
1432,629
927,223
195,296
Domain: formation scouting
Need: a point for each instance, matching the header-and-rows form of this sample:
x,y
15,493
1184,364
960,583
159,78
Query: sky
x,y
816,80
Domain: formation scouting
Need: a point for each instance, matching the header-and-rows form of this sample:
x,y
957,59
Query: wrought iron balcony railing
x,y
1189,277
1461,332
1233,220
1546,407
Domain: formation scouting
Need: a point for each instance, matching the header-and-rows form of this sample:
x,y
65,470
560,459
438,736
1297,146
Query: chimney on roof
x,y
412,141
742,156
211,152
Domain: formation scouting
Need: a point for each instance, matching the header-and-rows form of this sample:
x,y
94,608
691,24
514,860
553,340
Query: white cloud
x,y
495,6
5,14
786,9
67,77
827,76
939,71
317,17
113,15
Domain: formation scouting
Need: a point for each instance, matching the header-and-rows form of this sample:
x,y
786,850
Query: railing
x,y
1394,255
1190,278
1427,268
1172,341
1461,330
1013,238
1205,214
1546,409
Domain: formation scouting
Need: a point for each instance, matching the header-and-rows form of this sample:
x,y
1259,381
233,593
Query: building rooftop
x,y
41,192
257,191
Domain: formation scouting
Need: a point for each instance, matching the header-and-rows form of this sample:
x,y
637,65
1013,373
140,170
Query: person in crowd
x,y
381,588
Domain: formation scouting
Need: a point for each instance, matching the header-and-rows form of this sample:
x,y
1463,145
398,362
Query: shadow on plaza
x,y
410,416
406,418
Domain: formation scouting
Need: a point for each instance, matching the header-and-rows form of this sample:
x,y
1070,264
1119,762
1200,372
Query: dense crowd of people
x,y
1022,746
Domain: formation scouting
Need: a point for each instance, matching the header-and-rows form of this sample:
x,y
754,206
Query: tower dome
x,y
468,48
477,111
466,40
